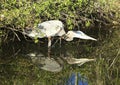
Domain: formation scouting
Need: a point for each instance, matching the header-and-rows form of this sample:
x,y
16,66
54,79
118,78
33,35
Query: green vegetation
x,y
107,69
16,15
22,13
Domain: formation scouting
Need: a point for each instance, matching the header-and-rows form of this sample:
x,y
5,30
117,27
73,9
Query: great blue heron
x,y
55,28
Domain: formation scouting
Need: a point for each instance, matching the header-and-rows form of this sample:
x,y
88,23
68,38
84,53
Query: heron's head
x,y
77,34
69,36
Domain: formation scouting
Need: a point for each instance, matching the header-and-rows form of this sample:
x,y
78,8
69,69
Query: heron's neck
x,y
64,36
67,37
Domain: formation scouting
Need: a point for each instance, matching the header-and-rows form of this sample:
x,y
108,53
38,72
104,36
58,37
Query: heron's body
x,y
56,28
52,28
48,29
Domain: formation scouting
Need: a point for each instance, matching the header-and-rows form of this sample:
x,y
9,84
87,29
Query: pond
x,y
28,63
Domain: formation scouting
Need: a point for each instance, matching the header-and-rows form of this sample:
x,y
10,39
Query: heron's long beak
x,y
81,35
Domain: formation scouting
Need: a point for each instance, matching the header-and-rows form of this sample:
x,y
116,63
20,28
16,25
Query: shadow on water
x,y
27,63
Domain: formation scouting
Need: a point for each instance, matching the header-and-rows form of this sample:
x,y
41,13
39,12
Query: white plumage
x,y
52,28
55,28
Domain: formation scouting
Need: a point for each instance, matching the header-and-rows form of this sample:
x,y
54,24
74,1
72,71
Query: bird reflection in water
x,y
45,63
55,65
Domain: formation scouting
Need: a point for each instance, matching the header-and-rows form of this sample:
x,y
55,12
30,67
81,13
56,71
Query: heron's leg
x,y
49,46
60,40
49,42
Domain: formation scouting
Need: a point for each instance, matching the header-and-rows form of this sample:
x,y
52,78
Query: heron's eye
x,y
40,26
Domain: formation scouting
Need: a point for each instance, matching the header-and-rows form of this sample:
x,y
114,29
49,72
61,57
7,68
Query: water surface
x,y
27,63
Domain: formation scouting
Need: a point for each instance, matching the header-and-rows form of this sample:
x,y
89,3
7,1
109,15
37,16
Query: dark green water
x,y
25,63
